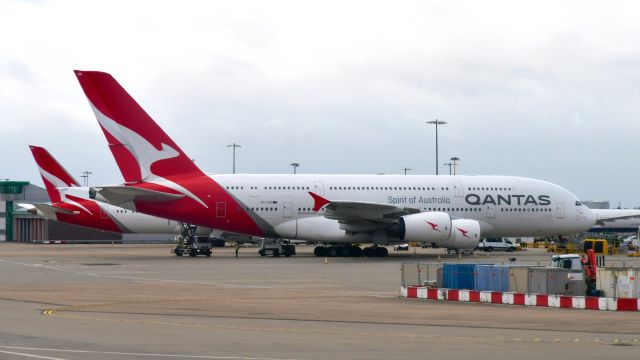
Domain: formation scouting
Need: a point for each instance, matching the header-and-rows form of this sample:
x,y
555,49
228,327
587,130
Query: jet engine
x,y
427,227
437,228
465,234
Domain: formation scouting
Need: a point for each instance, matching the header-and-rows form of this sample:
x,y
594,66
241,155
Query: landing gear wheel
x,y
332,251
356,251
369,252
381,252
344,251
320,251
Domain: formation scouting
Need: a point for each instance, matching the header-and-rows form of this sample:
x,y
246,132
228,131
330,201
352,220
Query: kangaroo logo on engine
x,y
434,226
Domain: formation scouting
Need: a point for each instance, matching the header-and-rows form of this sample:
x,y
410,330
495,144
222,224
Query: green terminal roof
x,y
12,187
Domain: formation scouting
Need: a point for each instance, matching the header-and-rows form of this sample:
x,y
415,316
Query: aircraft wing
x,y
604,216
360,216
603,221
124,196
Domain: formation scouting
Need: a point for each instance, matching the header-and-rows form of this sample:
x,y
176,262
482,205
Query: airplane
x,y
616,220
70,203
453,212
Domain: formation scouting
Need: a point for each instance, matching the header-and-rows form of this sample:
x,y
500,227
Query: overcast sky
x,y
548,90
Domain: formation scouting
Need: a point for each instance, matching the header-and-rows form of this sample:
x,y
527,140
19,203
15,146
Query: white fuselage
x,y
503,205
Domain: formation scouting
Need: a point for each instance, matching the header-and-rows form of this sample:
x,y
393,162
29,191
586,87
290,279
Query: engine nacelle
x,y
465,234
425,227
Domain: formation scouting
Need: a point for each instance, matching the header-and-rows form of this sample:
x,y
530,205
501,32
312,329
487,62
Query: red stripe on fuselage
x,y
222,211
94,220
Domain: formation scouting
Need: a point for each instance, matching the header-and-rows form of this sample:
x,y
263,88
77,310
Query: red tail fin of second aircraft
x,y
53,174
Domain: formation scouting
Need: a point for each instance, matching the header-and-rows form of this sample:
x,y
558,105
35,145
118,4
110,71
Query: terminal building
x,y
19,225
596,204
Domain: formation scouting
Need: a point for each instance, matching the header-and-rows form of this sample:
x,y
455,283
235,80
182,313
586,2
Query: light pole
x,y
295,166
85,177
449,165
436,122
406,169
454,162
234,146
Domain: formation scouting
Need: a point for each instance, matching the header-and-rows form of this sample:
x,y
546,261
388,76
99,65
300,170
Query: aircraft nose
x,y
586,217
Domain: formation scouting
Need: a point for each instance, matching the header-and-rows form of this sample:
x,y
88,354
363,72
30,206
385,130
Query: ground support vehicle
x,y
401,247
498,243
189,244
576,262
276,247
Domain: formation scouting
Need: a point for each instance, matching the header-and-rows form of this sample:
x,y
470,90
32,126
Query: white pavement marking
x,y
40,266
128,354
30,355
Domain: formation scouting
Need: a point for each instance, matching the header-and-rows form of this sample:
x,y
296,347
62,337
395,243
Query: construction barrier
x,y
508,298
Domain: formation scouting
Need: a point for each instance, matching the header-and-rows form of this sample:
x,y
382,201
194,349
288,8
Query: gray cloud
x,y
539,89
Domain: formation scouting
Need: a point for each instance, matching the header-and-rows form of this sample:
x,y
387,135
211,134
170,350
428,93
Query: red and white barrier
x,y
508,298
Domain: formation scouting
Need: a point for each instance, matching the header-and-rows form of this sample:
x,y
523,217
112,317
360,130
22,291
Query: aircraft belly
x,y
327,230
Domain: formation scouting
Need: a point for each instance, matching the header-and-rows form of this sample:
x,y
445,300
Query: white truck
x,y
567,261
497,243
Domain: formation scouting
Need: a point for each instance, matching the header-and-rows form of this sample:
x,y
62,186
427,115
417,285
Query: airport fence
x,y
533,278
417,273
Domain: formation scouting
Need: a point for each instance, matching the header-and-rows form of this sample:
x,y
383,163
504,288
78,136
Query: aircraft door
x,y
287,210
560,210
458,189
318,187
221,209
103,213
490,212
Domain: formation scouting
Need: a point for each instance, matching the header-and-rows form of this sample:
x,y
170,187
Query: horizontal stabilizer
x,y
119,195
50,209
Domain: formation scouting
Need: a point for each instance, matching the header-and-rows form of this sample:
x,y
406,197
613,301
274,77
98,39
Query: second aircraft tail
x,y
53,174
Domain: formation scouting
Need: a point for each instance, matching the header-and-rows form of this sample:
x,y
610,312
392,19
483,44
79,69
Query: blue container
x,y
459,276
492,278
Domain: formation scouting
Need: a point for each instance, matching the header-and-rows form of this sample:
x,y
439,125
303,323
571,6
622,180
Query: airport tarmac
x,y
139,302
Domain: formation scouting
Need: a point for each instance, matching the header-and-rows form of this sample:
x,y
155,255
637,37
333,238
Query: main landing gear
x,y
350,251
189,244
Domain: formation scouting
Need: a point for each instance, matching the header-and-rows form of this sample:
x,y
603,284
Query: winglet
x,y
318,201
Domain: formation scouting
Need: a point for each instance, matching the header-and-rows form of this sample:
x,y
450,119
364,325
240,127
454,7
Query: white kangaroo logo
x,y
145,153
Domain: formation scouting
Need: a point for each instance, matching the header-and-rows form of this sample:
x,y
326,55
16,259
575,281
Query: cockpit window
x,y
578,203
